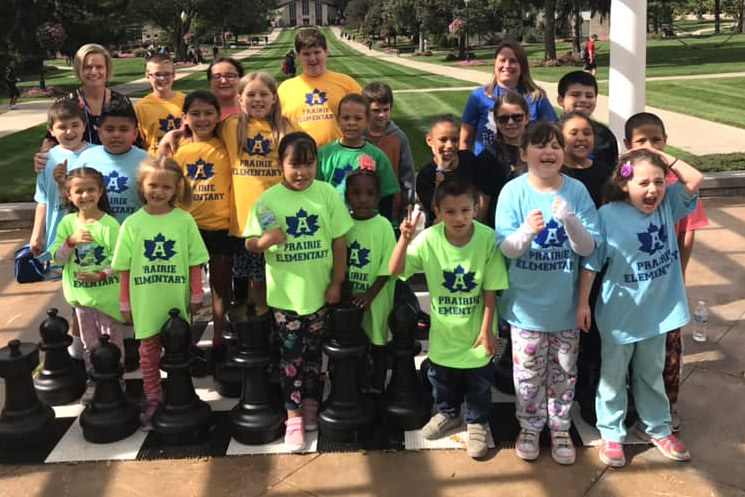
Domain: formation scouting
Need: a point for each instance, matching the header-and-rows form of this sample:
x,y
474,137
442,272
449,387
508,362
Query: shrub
x,y
450,56
139,52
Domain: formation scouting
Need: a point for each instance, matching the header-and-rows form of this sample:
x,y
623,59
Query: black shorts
x,y
247,264
218,242
14,92
590,65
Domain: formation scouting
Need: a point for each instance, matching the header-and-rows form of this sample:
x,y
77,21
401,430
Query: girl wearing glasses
x,y
224,76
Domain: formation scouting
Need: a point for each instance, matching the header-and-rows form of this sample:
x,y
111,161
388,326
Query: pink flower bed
x,y
37,92
126,56
469,63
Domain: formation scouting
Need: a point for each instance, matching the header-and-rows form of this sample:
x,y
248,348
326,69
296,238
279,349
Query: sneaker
x,y
672,448
611,454
562,447
310,414
294,436
526,445
674,419
439,425
476,443
146,418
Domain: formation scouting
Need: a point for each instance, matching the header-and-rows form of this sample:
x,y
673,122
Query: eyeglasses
x,y
161,75
228,76
516,118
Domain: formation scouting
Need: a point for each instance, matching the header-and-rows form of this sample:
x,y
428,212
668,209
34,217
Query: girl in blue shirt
x,y
642,296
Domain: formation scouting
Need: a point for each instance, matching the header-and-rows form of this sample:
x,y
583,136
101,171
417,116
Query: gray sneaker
x,y
439,425
674,419
476,444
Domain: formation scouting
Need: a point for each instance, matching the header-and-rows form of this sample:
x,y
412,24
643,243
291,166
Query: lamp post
x,y
468,22
182,43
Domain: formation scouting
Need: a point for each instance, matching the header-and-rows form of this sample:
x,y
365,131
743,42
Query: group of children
x,y
304,219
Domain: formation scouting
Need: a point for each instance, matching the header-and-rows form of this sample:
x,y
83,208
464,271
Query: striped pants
x,y
150,349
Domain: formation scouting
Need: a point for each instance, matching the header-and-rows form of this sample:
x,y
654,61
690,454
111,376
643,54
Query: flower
x,y
290,371
367,163
51,35
296,397
626,170
227,34
456,26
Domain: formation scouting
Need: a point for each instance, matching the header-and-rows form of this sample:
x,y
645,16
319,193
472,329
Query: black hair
x,y
571,115
577,78
120,106
454,187
87,172
357,99
363,173
642,119
614,187
200,96
301,145
540,133
443,118
230,60
379,93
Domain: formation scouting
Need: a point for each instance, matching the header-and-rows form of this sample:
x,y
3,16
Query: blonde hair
x,y
91,49
280,124
525,83
152,165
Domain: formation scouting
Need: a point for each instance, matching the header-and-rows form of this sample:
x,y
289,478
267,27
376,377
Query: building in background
x,y
307,12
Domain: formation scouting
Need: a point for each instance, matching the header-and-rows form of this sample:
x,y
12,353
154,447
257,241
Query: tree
x,y
356,11
549,38
166,14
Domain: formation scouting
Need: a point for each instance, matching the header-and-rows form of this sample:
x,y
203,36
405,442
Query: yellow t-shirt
x,y
254,171
156,116
207,167
313,103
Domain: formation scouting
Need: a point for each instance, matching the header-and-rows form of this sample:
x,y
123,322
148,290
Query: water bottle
x,y
700,318
267,219
85,255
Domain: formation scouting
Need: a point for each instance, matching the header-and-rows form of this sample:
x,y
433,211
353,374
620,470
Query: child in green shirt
x,y
464,270
299,225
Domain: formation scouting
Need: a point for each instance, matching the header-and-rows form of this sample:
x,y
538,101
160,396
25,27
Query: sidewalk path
x,y
692,134
33,112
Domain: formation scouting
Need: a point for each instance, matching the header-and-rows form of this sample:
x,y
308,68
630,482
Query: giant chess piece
x,y
405,403
228,377
183,417
346,413
110,416
24,421
61,380
259,417
503,364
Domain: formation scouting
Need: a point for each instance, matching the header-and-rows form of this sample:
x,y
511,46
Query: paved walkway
x,y
694,135
712,403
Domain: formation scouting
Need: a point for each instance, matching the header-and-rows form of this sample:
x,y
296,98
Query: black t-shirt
x,y
606,146
498,163
594,178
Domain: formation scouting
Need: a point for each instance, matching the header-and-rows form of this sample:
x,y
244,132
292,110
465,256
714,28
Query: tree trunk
x,y
717,10
577,35
550,33
741,26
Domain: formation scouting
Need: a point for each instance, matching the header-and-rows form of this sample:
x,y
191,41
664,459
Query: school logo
x,y
317,97
159,248
340,173
302,224
357,256
85,255
552,235
115,183
200,170
169,123
459,280
259,146
653,239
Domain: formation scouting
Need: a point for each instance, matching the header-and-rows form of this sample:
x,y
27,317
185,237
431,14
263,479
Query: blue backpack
x,y
28,269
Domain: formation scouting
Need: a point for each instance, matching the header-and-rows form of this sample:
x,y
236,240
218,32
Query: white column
x,y
628,61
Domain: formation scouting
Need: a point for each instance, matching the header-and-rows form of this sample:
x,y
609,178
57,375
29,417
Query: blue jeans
x,y
451,386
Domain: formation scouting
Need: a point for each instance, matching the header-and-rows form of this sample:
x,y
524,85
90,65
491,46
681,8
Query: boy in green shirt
x,y
464,270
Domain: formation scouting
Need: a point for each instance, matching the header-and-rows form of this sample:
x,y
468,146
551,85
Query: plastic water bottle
x,y
267,219
700,319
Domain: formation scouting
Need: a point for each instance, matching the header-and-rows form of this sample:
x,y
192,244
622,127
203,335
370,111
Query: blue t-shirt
x,y
119,175
543,281
47,191
479,112
643,294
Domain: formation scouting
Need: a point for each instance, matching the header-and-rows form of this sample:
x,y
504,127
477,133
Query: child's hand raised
x,y
408,225
535,221
561,209
80,236
60,171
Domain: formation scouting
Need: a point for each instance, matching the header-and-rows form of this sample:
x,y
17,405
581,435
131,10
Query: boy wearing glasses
x,y
160,111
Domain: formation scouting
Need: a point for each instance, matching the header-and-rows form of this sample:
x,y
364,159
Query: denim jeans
x,y
451,386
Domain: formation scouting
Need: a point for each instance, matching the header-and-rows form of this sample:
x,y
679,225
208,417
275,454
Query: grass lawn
x,y
16,163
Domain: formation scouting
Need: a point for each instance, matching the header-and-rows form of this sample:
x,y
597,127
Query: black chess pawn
x,y
346,413
259,416
60,380
24,421
227,377
405,403
503,364
110,416
183,417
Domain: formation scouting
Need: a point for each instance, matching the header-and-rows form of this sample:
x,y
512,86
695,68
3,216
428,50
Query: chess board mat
x,y
66,442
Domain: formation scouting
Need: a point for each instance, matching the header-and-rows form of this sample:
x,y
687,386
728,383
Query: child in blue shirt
x,y
66,122
545,222
642,298
117,158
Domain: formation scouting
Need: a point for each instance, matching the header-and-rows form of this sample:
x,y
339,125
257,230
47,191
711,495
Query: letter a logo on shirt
x,y
653,239
358,256
340,173
258,145
459,280
114,182
159,248
200,170
317,97
302,224
169,123
552,235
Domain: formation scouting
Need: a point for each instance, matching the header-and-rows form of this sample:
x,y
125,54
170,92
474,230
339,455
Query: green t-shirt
x,y
88,258
335,161
299,271
370,244
158,252
456,279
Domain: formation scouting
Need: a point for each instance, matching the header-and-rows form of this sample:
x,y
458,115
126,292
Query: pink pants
x,y
150,349
94,323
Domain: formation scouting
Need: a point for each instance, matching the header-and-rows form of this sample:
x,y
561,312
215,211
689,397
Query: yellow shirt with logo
x,y
254,167
157,116
207,167
313,103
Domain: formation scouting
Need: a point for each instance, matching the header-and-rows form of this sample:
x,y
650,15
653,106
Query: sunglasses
x,y
516,118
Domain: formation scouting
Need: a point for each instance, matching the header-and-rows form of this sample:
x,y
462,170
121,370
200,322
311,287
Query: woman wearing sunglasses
x,y
511,74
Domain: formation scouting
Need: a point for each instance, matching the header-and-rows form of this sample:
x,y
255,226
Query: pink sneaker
x,y
672,448
294,436
310,414
611,453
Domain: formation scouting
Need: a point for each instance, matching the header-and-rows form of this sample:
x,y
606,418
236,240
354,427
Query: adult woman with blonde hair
x,y
511,74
